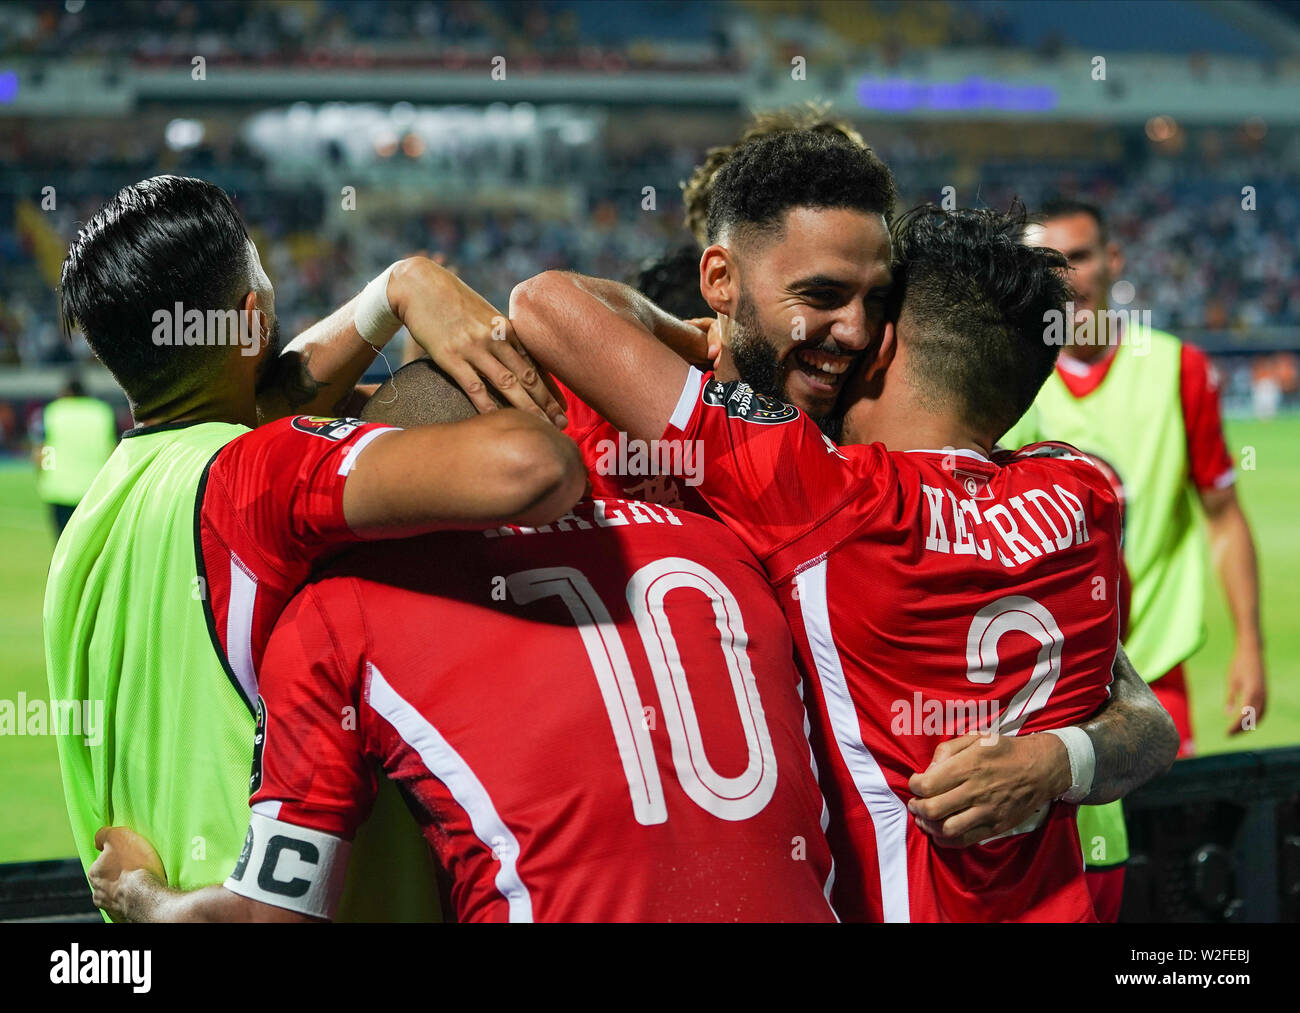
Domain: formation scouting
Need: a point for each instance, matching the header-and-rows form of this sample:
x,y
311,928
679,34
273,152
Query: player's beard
x,y
755,359
753,354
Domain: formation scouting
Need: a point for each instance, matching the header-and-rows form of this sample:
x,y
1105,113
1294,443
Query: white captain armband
x,y
291,867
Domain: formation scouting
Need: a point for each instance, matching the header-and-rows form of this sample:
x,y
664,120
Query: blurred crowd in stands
x,y
361,32
1196,257
1211,262
366,32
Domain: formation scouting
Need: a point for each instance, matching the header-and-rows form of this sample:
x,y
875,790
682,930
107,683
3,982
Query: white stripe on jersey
x,y
686,401
449,767
974,455
889,816
350,458
829,886
239,628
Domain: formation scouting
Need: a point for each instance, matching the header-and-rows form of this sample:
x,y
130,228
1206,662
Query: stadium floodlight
x,y
182,135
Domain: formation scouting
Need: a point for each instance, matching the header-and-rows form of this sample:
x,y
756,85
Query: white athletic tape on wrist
x,y
291,867
1083,761
374,317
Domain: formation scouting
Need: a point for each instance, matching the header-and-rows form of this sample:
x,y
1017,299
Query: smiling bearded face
x,y
812,298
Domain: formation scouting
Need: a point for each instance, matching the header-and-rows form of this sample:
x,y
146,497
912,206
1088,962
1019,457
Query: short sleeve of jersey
x,y
1209,463
591,432
310,755
770,474
582,417
283,483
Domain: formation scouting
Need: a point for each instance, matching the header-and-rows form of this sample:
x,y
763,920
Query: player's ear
x,y
879,356
252,324
1114,259
719,282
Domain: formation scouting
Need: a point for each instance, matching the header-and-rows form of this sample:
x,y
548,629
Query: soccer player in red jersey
x,y
598,719
917,581
807,300
167,579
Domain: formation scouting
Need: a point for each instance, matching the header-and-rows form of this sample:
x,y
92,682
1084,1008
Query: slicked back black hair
x,y
794,169
672,282
1064,207
972,302
162,241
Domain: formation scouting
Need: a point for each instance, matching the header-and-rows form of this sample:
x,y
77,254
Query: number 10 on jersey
x,y
728,798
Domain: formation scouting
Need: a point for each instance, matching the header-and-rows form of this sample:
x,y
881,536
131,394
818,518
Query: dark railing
x,y
53,891
1217,839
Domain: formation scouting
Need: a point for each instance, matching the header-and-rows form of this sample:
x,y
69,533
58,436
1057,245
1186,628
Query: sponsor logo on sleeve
x,y
245,853
330,429
743,402
259,745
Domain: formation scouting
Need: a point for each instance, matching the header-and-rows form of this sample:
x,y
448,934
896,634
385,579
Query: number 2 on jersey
x,y
1015,613
728,798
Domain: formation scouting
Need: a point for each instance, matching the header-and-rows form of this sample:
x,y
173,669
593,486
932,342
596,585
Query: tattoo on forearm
x,y
1132,736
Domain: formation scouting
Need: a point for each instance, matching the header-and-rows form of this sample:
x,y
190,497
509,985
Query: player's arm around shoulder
x,y
607,342
462,332
505,467
974,790
128,882
1133,737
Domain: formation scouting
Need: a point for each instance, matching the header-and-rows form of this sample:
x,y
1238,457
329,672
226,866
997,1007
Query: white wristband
x,y
374,317
1083,761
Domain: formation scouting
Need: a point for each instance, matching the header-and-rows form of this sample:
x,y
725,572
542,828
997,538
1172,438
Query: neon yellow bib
x,y
1134,421
80,434
127,643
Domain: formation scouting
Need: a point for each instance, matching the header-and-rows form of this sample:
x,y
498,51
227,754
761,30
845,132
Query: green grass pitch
x,y
31,795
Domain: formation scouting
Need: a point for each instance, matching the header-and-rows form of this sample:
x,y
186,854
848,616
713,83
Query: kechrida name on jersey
x,y
597,513
1031,524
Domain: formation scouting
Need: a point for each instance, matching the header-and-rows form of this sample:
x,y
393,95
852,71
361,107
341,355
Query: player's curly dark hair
x,y
794,169
973,304
698,190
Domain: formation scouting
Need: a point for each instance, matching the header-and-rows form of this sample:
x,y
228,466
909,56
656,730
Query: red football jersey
x,y
595,720
621,468
930,594
270,506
